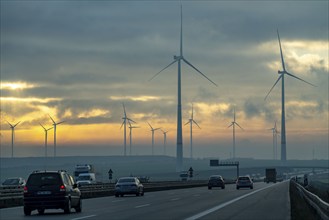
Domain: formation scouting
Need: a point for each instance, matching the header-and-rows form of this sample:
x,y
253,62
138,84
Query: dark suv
x,y
216,181
51,190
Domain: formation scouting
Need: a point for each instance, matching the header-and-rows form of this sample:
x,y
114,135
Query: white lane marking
x,y
141,206
216,208
175,199
84,217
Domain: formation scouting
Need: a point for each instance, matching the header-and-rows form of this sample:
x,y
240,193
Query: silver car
x,y
129,185
244,182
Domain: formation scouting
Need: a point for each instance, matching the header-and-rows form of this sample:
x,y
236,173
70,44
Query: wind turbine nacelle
x,y
280,72
177,57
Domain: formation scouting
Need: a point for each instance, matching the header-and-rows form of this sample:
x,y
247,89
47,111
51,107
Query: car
x,y
51,190
216,181
13,182
86,179
129,185
244,182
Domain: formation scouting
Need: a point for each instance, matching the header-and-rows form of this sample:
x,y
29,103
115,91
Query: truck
x,y
270,175
83,168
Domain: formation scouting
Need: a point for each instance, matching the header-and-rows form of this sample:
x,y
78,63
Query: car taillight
x,y
62,188
25,189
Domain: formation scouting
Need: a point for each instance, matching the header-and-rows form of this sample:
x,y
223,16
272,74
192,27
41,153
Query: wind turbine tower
x,y
12,137
164,142
233,124
55,125
130,137
191,121
46,137
275,141
283,119
124,123
153,129
179,59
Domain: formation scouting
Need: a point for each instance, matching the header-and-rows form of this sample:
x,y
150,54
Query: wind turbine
x,y
12,136
283,119
46,135
55,125
179,59
164,141
275,141
153,129
130,136
233,123
191,121
125,120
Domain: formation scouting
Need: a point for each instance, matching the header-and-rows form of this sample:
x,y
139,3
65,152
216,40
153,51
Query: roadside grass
x,y
300,210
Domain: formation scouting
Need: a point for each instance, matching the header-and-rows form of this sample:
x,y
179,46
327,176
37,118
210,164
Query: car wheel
x,y
68,207
223,187
237,187
142,193
251,187
79,206
117,195
121,195
41,211
27,210
209,187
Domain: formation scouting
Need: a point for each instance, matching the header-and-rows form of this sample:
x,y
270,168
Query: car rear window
x,y
126,180
42,179
243,178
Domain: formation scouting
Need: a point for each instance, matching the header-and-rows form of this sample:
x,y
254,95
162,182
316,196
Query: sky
x,y
79,61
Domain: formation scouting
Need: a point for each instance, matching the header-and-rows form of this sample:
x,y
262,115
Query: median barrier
x,y
14,196
321,207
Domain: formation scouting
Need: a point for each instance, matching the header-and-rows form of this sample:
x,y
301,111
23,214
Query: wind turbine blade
x,y
42,126
150,126
188,63
52,119
60,122
156,129
230,125
17,123
196,124
273,86
162,70
187,122
49,128
239,125
122,123
282,60
300,79
9,124
130,120
181,30
124,110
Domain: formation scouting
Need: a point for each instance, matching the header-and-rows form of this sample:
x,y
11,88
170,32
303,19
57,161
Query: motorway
x,y
265,201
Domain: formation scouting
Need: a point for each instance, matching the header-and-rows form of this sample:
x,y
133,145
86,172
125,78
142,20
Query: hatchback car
x,y
216,181
129,185
51,190
244,182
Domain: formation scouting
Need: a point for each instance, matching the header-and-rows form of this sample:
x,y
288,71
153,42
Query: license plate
x,y
44,193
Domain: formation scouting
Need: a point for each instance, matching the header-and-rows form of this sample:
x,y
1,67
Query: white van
x,y
86,178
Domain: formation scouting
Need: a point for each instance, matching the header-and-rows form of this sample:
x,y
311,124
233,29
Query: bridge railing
x,y
321,207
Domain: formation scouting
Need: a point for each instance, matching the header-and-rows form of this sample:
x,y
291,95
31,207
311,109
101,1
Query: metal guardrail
x,y
320,206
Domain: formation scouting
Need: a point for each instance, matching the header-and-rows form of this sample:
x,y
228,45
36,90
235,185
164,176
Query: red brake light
x,y
62,188
25,189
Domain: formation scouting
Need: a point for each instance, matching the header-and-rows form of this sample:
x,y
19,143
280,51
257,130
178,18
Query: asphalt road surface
x,y
265,201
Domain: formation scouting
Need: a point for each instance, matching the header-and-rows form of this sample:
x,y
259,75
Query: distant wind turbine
x,y
55,125
283,119
178,59
233,124
12,136
46,135
164,141
124,123
191,121
130,137
275,140
153,129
